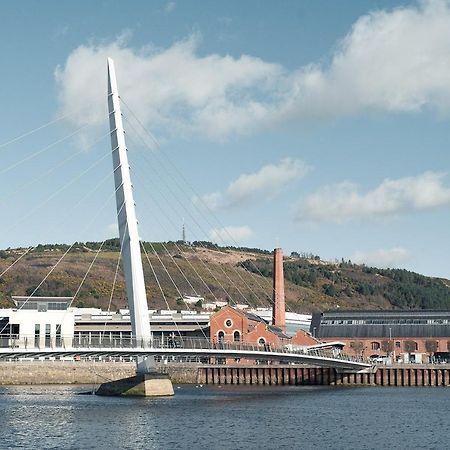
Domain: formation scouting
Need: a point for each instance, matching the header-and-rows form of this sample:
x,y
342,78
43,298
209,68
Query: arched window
x,y
237,336
221,336
375,345
261,341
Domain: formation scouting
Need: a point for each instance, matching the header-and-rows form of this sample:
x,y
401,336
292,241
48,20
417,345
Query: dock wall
x,y
89,372
290,375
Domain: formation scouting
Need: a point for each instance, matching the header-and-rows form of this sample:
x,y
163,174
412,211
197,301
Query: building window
x,y
47,335
375,345
58,336
397,344
228,322
261,341
37,335
237,336
221,336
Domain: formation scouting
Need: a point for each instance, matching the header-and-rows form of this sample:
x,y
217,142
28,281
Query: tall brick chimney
x,y
278,312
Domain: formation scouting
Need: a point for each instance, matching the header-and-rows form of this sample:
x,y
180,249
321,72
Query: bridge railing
x,y
102,341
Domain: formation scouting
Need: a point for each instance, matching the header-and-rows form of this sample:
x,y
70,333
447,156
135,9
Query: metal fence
x,y
108,342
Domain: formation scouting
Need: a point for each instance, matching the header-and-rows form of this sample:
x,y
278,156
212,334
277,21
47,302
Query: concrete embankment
x,y
419,375
90,372
82,372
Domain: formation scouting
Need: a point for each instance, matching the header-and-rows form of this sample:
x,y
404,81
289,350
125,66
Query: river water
x,y
235,417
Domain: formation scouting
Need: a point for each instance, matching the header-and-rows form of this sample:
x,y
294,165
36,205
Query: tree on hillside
x,y
330,289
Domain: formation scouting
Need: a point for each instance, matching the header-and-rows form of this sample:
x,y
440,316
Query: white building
x,y
46,322
39,321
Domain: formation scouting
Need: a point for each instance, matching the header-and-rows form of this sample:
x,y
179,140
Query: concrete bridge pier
x,y
146,383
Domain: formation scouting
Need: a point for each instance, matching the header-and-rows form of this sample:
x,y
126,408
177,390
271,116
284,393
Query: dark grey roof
x,y
383,331
254,317
278,331
420,314
381,324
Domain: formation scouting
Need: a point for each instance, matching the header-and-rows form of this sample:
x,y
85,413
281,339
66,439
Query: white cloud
x,y
389,61
230,235
343,202
382,258
172,88
264,183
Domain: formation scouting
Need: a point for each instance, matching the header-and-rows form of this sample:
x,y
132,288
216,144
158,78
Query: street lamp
x,y
393,344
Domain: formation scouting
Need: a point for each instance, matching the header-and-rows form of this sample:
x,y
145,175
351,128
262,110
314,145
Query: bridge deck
x,y
26,347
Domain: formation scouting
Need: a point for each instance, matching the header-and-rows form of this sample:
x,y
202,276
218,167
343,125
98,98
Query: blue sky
x,y
317,126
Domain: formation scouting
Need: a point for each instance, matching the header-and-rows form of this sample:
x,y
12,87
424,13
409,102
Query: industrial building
x,y
400,336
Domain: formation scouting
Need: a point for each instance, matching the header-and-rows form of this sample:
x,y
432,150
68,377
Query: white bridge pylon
x,y
126,216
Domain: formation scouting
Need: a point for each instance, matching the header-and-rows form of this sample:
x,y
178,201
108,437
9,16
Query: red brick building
x,y
403,336
234,325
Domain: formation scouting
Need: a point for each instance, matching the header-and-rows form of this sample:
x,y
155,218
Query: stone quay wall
x,y
83,372
95,372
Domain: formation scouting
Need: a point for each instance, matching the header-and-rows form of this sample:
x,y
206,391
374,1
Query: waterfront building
x,y
41,321
401,336
236,325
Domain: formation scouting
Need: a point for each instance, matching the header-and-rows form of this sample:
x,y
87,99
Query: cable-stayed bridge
x,y
25,347
142,345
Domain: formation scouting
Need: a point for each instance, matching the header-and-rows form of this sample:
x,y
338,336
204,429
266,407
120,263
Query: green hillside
x,y
236,275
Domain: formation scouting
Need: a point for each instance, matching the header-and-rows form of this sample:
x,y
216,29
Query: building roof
x,y
278,332
254,317
381,324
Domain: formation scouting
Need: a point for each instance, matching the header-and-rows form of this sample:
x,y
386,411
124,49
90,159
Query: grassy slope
x,y
354,287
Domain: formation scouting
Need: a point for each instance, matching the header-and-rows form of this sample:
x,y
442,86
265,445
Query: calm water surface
x,y
227,418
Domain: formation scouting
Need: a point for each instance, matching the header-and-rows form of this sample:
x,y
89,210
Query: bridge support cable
x,y
87,273
227,293
170,277
116,272
201,228
40,151
17,260
159,286
199,258
46,173
61,189
93,219
35,130
118,262
187,306
236,271
58,328
184,276
180,175
181,251
57,225
150,194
